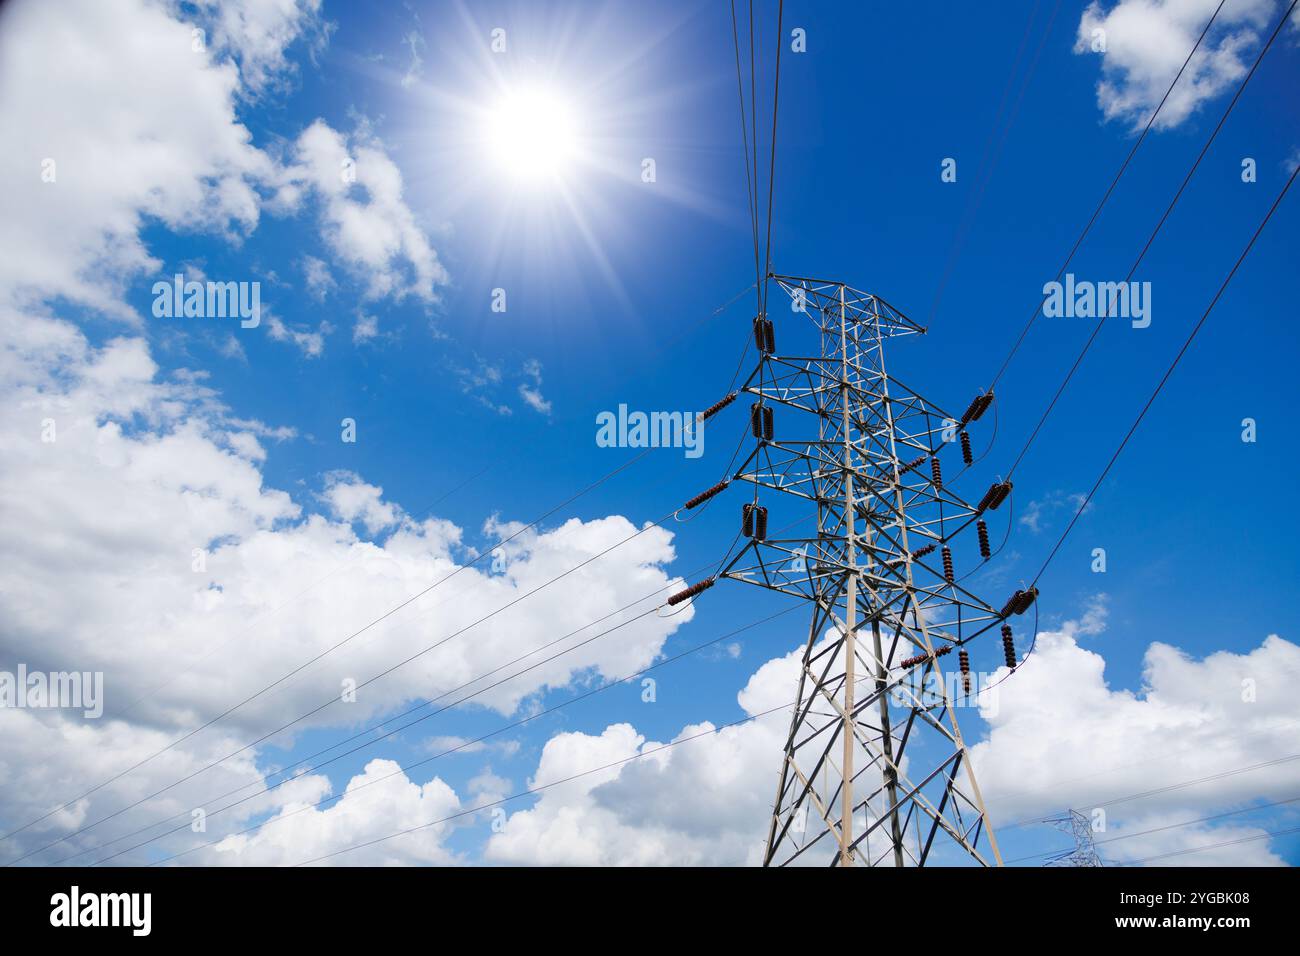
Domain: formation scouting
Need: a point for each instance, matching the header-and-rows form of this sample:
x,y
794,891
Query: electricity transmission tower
x,y
1079,827
874,770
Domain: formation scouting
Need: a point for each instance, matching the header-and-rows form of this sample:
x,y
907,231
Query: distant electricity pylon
x,y
1079,827
875,770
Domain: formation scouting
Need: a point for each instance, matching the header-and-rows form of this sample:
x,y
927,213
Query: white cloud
x,y
488,787
534,399
705,801
177,154
149,546
1059,738
301,832
144,472
319,281
365,329
1162,839
246,445
480,383
1293,160
311,344
1043,509
450,744
59,756
532,393
1148,40
351,499
364,220
232,348
257,33
414,43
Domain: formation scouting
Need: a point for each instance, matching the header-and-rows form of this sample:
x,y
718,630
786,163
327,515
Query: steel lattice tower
x,y
1079,827
875,770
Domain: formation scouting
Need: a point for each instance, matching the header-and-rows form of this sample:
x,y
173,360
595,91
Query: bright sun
x,y
532,135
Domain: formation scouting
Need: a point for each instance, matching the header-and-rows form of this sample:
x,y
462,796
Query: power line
x,y
753,123
401,727
1214,846
751,194
1170,371
847,848
1199,780
283,771
986,173
370,680
1151,239
666,347
335,698
326,652
555,783
1182,785
1110,189
1170,826
1191,337
753,207
388,720
461,746
771,176
1146,764
546,786
130,707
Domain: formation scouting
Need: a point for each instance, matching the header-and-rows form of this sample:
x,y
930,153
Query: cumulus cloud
x,y
705,801
95,173
1058,738
352,499
299,831
1061,737
85,173
151,509
364,220
1166,840
258,33
149,545
1146,42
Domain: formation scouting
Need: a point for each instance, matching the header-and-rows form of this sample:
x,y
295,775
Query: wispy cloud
x,y
531,393
1039,512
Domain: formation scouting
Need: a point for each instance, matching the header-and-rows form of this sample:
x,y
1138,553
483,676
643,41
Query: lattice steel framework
x,y
875,770
1079,827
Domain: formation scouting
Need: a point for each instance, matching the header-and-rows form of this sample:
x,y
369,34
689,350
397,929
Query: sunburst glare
x,y
532,135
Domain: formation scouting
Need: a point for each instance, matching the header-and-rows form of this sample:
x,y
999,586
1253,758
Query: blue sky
x,y
612,286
